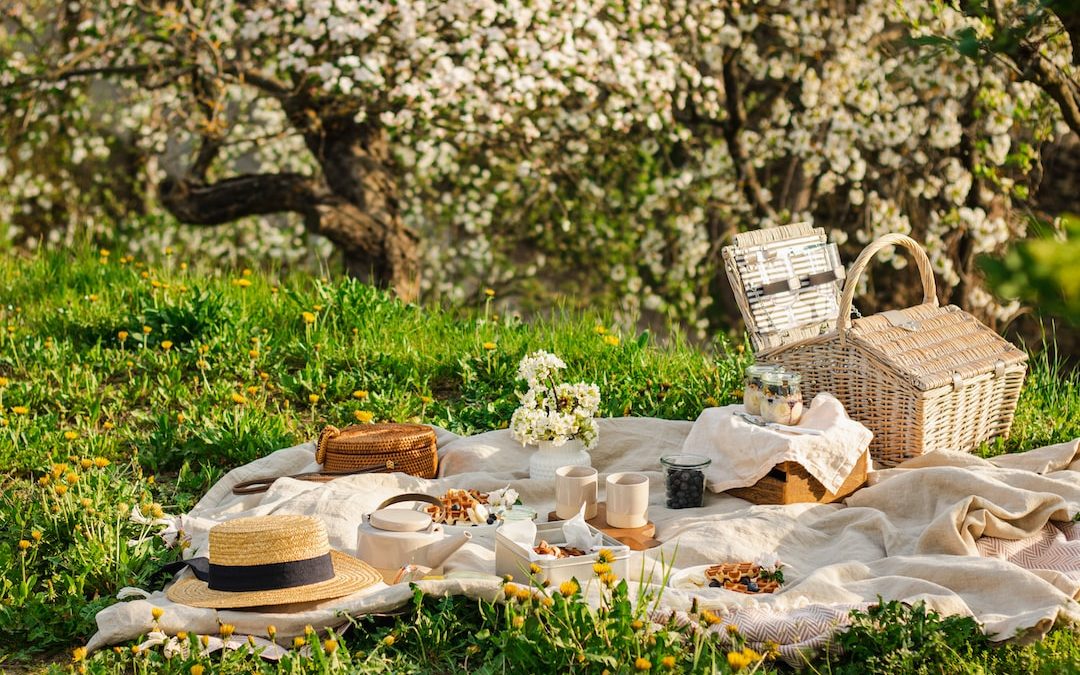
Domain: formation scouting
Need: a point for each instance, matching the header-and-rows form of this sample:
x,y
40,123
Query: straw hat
x,y
270,560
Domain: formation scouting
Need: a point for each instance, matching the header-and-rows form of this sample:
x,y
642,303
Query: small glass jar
x,y
519,512
684,480
782,403
753,391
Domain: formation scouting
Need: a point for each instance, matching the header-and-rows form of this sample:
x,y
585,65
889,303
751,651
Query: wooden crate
x,y
790,483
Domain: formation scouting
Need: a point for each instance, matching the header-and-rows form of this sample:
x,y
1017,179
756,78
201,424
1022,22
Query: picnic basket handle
x,y
926,276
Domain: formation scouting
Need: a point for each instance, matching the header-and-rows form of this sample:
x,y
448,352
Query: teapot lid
x,y
400,520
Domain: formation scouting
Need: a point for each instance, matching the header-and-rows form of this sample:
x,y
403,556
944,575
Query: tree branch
x,y
732,126
226,200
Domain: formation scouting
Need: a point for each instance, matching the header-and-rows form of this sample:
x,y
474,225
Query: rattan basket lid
x,y
373,438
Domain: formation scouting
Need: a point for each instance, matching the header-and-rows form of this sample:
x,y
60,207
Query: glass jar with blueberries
x,y
684,479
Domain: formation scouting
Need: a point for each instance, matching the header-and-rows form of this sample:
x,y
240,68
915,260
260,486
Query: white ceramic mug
x,y
574,486
627,500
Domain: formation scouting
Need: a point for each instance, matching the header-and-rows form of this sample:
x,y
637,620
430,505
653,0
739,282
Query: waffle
x,y
461,507
740,577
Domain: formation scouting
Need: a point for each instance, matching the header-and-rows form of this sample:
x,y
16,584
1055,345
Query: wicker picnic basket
x,y
922,379
407,448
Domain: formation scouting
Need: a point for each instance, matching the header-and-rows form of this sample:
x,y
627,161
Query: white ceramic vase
x,y
547,458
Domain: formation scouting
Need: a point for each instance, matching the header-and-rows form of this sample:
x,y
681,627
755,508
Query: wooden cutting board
x,y
637,538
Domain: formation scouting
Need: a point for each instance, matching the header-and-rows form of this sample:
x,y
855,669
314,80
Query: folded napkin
x,y
743,453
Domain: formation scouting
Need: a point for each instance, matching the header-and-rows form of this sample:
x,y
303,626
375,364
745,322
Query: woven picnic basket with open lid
x,y
922,379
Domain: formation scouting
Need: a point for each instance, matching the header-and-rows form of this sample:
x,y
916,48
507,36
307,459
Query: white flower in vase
x,y
551,411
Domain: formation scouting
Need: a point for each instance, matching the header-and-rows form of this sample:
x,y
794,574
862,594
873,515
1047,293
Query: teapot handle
x,y
414,497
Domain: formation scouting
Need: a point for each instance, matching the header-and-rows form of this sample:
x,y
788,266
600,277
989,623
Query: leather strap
x,y
257,485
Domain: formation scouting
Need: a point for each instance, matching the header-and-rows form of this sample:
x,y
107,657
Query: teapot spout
x,y
440,551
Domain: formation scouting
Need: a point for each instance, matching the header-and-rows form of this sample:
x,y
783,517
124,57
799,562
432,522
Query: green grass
x,y
235,366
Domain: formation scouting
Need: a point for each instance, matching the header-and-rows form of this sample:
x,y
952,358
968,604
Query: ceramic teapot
x,y
389,539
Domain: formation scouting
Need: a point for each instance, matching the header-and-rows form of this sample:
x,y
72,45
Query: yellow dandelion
x,y
425,399
364,416
183,266
242,283
534,568
710,618
71,435
612,340
711,402
264,376
600,330
609,579
642,663
253,353
144,275
78,654
238,398
490,292
253,390
197,669
61,490
490,346
204,640
637,624
668,662
360,394
271,631
150,480
157,612
158,512
104,253
600,569
317,308
308,317
389,640
169,250
71,478
86,502
20,410
166,345
180,418
86,463
108,425
246,272
313,398
24,544
134,649
155,283
605,556
35,535
226,630
518,621
298,642
3,382
147,330
44,480
732,629
330,646
201,364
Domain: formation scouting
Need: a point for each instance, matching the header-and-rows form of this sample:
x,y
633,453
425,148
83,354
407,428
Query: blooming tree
x,y
609,146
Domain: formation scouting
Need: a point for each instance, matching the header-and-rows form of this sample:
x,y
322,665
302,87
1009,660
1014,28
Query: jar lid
x,y
762,368
685,461
400,520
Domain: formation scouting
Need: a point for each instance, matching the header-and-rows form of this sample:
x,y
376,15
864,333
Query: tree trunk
x,y
363,217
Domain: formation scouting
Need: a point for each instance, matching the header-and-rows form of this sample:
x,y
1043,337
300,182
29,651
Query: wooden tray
x,y
790,483
637,538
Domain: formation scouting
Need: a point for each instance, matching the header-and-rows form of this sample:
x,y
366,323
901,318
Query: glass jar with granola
x,y
782,397
753,391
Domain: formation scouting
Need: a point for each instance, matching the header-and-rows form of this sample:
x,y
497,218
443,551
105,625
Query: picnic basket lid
x,y
931,346
787,282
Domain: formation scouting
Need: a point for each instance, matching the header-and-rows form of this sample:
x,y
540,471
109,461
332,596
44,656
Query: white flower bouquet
x,y
554,411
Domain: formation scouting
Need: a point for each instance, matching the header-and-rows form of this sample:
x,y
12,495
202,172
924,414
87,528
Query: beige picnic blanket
x,y
992,539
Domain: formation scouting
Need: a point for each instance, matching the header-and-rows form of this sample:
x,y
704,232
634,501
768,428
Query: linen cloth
x,y
742,453
914,535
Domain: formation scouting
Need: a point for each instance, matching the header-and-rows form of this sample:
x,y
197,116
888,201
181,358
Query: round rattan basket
x,y
407,448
